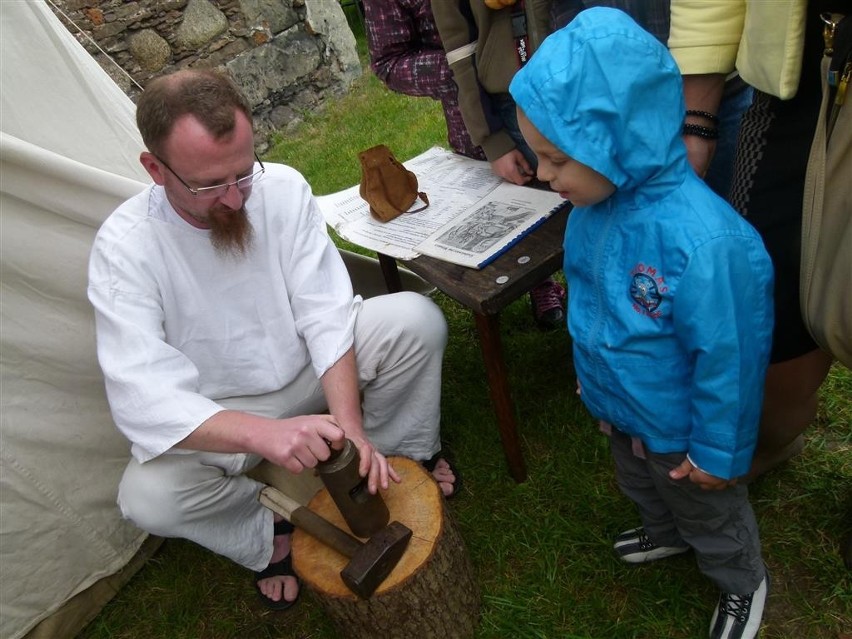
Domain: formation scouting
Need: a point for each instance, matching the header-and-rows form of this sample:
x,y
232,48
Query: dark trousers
x,y
719,525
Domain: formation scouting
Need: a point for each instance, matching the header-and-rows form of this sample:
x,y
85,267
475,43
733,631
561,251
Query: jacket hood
x,y
607,93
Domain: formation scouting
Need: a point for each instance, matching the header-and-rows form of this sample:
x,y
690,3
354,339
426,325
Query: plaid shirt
x,y
407,55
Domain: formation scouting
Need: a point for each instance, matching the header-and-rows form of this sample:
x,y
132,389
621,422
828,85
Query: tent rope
x,y
92,41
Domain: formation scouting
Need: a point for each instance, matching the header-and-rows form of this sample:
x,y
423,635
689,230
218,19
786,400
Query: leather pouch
x,y
388,187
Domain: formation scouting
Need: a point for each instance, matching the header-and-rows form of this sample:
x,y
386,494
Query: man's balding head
x,y
211,97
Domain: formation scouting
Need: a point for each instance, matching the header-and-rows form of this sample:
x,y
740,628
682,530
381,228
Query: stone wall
x,y
287,55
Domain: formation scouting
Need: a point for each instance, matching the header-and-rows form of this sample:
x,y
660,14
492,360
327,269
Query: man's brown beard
x,y
231,232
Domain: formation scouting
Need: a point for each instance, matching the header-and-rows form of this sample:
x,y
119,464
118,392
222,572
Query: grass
x,y
541,549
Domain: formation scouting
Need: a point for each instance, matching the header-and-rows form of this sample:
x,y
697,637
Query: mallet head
x,y
375,559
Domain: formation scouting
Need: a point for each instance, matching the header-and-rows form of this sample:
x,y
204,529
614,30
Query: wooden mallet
x,y
370,562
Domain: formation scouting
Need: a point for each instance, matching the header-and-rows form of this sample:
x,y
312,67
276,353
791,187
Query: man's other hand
x,y
513,166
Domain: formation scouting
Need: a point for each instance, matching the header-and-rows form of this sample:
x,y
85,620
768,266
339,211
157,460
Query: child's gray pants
x,y
719,525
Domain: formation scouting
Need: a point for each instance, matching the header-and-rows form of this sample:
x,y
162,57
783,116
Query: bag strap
x,y
837,34
425,199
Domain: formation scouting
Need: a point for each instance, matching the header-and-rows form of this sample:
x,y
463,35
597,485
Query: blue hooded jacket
x,y
670,290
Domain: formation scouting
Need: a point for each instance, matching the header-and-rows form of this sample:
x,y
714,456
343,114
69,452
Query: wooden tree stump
x,y
432,591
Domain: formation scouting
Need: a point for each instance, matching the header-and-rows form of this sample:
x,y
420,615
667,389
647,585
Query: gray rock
x,y
280,116
327,20
274,15
202,22
149,50
276,66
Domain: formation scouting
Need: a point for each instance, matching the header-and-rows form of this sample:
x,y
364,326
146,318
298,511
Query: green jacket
x,y
483,58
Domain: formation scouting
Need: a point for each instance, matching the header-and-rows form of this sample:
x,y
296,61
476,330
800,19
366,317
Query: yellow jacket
x,y
762,39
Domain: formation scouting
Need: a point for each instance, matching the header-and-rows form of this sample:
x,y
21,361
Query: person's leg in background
x,y
736,100
547,298
768,189
791,397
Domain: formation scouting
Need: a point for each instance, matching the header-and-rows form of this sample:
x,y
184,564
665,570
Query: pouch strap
x,y
425,199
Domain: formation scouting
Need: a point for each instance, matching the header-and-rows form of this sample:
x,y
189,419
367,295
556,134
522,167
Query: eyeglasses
x,y
219,190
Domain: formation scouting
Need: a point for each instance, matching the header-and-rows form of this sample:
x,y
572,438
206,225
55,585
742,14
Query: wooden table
x,y
486,292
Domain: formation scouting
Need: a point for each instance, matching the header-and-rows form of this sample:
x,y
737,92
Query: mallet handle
x,y
304,518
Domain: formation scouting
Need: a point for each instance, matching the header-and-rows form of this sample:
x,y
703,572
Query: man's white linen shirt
x,y
180,325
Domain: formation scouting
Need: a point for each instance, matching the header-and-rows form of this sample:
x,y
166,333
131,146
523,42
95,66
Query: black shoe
x,y
634,547
739,616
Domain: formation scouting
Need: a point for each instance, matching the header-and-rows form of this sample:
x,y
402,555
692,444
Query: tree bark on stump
x,y
432,592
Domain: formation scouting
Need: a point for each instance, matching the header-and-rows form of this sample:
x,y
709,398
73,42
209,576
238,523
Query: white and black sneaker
x,y
739,616
634,547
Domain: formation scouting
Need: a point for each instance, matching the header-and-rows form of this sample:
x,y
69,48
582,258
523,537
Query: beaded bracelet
x,y
706,132
704,114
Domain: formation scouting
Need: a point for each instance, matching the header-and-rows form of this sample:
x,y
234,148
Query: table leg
x,y
488,327
390,270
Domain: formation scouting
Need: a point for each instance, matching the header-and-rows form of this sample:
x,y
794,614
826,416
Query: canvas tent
x,y
68,155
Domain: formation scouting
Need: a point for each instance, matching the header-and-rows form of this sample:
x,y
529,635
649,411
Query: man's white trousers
x,y
205,497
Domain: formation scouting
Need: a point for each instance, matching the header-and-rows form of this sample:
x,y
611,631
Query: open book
x,y
473,215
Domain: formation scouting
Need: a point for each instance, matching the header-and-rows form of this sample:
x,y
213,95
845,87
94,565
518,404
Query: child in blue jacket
x,y
670,305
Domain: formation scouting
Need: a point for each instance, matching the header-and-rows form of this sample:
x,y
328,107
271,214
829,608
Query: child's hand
x,y
697,476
